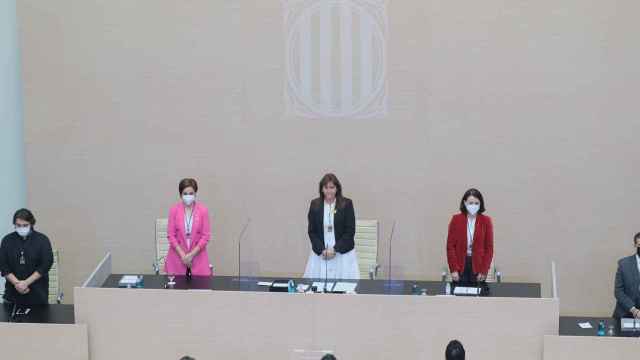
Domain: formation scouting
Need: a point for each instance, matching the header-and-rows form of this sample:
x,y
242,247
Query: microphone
x,y
326,273
13,311
242,232
188,274
156,265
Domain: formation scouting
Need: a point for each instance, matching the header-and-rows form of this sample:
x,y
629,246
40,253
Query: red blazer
x,y
482,244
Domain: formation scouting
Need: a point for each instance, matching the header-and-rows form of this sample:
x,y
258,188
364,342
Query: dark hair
x,y
636,238
188,182
331,178
187,358
25,215
454,351
475,193
328,357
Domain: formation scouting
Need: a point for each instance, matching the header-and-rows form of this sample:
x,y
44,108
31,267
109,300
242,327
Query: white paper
x,y
462,290
129,279
585,325
345,287
265,283
627,324
280,285
320,285
303,287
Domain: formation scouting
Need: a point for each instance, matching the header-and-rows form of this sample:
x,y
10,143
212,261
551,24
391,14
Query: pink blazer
x,y
200,235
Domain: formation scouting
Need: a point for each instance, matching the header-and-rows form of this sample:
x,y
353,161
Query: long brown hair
x,y
331,178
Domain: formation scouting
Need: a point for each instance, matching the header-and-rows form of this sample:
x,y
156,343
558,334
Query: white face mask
x,y
188,199
472,208
23,231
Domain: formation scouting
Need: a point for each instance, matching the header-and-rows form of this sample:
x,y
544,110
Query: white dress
x,y
342,266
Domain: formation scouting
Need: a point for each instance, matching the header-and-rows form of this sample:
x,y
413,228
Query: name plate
x,y
463,290
630,324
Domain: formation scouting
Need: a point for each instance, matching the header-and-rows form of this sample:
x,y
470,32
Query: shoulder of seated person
x,y
627,258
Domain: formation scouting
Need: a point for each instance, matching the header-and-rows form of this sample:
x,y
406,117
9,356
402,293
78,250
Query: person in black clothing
x,y
454,351
25,259
332,227
627,285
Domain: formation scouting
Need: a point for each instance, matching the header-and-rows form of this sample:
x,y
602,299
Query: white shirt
x,y
342,266
471,230
329,236
188,226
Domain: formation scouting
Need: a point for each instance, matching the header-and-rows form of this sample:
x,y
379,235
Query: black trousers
x,y
468,277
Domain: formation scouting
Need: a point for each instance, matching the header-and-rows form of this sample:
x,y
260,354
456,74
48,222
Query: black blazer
x,y
627,287
344,223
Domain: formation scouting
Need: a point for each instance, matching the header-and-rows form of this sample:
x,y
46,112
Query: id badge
x,y
22,259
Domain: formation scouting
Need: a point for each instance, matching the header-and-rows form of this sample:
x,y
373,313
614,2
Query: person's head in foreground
x,y
454,351
328,357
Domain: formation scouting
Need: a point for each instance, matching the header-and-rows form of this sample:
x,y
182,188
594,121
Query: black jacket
x,y
344,223
627,287
38,257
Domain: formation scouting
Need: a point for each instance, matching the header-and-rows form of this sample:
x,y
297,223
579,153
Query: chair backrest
x,y
55,288
491,276
162,243
2,284
366,242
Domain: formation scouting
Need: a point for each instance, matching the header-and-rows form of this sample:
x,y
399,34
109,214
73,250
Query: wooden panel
x,y
590,347
163,324
43,341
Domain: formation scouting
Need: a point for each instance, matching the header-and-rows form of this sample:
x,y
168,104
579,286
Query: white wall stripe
x,y
326,37
366,53
306,75
346,53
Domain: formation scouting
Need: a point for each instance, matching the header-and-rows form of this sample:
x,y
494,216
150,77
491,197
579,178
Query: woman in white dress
x,y
332,228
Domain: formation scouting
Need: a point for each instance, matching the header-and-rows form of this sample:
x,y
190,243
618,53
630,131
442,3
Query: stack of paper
x,y
347,287
320,285
462,290
128,281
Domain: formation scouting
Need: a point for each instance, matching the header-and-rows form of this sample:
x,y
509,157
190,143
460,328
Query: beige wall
x,y
532,102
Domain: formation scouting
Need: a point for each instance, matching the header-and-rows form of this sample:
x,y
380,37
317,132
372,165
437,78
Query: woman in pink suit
x,y
189,232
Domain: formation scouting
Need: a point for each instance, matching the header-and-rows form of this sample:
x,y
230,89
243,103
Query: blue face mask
x,y
472,208
23,230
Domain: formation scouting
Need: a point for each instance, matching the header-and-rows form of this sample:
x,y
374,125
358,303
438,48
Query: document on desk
x,y
585,325
463,290
630,323
265,283
345,287
320,285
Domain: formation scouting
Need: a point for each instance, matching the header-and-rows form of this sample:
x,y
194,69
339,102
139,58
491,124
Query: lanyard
x,y
470,238
189,221
331,213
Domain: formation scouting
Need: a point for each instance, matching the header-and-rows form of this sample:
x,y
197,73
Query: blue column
x,y
12,170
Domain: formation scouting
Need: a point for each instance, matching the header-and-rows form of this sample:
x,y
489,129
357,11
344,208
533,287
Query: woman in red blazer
x,y
470,240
